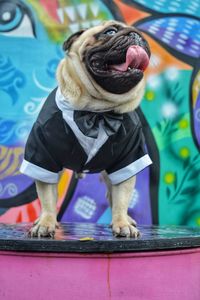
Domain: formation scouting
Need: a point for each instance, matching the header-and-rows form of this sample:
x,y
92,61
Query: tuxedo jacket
x,y
83,141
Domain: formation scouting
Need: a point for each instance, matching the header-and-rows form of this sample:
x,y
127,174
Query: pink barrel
x,y
136,275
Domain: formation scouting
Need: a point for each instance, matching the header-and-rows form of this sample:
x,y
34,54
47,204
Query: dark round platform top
x,y
96,238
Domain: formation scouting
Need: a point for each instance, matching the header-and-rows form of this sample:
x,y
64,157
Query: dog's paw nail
x,y
125,229
132,221
45,227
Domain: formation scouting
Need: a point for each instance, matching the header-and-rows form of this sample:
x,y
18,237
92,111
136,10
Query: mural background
x,y
31,36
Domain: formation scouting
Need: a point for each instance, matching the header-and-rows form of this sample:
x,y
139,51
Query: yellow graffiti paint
x,y
184,152
169,177
198,221
196,88
183,124
150,95
10,161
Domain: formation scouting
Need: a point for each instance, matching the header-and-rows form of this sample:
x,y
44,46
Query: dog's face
x,y
114,55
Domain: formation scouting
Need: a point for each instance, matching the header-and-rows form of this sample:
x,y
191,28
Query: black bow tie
x,y
88,122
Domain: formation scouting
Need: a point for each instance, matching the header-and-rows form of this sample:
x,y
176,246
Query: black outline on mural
x,y
68,197
113,9
29,195
154,174
25,197
154,12
194,73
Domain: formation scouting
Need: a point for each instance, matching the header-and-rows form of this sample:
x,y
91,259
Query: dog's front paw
x,y
125,227
44,226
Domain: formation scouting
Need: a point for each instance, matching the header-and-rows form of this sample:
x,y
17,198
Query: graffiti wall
x,y
31,36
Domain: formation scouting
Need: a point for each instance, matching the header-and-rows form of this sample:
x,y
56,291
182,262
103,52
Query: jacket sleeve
x,y
38,161
133,159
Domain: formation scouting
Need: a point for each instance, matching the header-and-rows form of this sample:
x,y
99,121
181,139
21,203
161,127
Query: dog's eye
x,y
112,31
15,19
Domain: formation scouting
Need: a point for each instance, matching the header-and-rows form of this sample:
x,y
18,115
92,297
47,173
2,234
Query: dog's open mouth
x,y
136,58
118,66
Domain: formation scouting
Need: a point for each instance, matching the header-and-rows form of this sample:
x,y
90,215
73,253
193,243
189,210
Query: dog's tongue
x,y
136,57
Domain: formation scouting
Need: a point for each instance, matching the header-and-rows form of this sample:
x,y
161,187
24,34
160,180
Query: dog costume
x,y
83,141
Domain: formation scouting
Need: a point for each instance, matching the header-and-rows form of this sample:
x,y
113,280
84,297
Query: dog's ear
x,y
67,44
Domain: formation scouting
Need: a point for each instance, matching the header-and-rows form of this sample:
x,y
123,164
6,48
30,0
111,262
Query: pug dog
x,y
89,124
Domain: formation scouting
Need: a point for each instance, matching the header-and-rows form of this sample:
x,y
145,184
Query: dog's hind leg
x,y
109,187
46,224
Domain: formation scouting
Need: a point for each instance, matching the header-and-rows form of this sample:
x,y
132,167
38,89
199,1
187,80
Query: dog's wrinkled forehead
x,y
98,34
